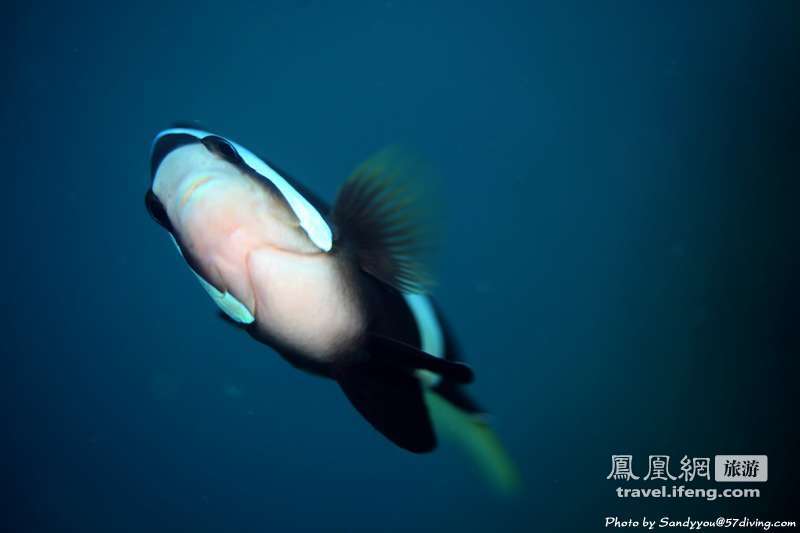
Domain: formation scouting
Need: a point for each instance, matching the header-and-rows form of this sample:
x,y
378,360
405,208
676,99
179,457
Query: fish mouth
x,y
192,189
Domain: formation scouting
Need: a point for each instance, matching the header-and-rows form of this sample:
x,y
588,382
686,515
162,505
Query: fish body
x,y
245,240
338,291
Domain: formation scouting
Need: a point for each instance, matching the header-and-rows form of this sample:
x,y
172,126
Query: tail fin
x,y
478,440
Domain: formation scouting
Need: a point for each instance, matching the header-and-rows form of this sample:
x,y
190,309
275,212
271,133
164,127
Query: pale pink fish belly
x,y
247,241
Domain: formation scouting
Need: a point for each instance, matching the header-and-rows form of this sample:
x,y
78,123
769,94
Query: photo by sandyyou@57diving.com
x,y
306,266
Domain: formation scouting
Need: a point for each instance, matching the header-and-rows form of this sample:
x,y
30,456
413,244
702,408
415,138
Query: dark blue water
x,y
619,262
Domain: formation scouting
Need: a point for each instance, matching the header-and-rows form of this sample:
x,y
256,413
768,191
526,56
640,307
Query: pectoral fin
x,y
383,213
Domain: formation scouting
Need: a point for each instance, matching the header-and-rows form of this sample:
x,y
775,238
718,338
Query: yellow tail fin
x,y
476,437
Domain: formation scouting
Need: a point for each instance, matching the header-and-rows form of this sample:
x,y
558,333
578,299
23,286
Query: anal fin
x,y
385,389
392,401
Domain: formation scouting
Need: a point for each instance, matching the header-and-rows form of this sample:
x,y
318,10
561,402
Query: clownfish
x,y
340,292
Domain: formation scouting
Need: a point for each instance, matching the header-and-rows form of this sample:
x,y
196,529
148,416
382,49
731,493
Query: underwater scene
x,y
307,266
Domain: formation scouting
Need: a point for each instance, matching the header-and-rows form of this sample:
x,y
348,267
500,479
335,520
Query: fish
x,y
340,291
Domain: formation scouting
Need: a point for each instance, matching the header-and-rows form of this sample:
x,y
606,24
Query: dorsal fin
x,y
384,213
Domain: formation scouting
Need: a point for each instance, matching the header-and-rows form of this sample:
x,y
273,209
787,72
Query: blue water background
x,y
619,260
